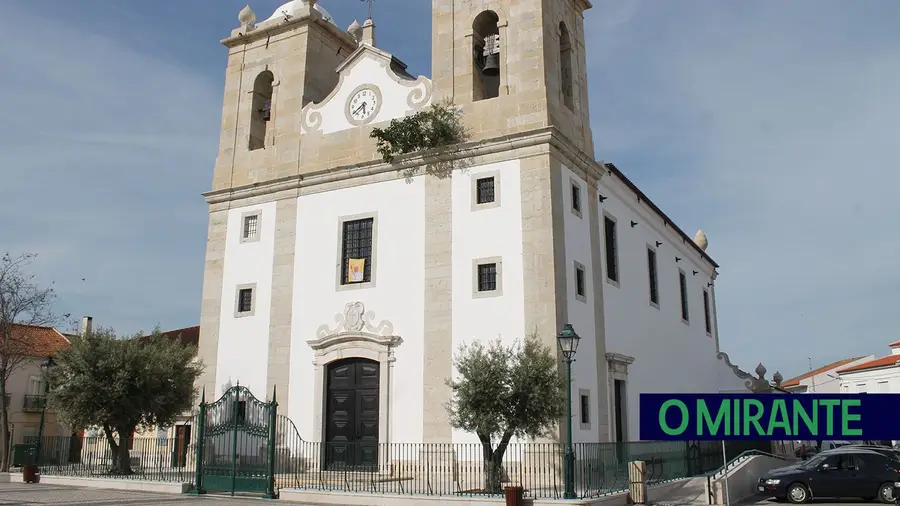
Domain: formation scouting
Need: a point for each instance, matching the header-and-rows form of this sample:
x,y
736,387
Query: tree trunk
x,y
119,457
493,463
5,442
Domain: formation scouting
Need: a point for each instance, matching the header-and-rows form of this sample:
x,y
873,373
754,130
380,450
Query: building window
x,y
262,109
883,387
682,286
707,317
485,190
565,67
357,248
612,247
584,397
245,300
487,277
845,389
576,199
487,52
580,283
860,388
653,276
250,226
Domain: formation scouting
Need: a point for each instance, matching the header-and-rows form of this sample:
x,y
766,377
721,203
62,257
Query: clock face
x,y
363,104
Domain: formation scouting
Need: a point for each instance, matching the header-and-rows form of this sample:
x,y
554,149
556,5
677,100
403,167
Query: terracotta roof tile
x,y
188,335
38,341
793,382
873,364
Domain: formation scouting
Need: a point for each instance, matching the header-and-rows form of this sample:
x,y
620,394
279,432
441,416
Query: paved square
x,y
21,494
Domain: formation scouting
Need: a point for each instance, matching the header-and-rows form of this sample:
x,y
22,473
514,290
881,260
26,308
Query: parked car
x,y
845,472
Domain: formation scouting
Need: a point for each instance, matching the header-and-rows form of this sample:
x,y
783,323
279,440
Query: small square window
x,y
250,226
487,277
245,300
580,283
576,199
484,190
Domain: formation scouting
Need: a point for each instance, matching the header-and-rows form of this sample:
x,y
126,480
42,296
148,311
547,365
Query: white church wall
x,y
581,309
487,233
398,271
670,356
243,351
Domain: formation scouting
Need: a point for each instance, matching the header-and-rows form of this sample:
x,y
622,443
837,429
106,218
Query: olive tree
x,y
122,385
503,391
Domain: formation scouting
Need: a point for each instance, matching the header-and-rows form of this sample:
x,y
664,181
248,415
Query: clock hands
x,y
362,107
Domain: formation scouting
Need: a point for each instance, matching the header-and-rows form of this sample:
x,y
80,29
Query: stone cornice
x,y
275,27
519,143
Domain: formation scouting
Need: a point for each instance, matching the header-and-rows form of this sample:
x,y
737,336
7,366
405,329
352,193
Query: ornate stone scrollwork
x,y
758,384
355,318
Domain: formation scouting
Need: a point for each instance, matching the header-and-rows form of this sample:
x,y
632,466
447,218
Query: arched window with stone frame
x,y
486,52
261,111
565,67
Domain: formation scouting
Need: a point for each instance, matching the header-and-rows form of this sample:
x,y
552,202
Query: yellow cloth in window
x,y
356,268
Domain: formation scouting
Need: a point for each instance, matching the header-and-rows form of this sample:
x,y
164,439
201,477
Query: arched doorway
x,y
351,414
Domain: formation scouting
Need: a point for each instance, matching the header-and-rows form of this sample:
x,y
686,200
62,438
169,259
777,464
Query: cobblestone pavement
x,y
21,494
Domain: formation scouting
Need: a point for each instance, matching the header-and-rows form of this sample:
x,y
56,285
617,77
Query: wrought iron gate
x,y
236,444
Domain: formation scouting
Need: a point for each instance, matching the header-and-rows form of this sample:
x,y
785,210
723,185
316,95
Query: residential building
x,y
823,380
876,375
348,283
26,386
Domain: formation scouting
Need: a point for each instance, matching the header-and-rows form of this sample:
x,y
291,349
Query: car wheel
x,y
797,493
886,493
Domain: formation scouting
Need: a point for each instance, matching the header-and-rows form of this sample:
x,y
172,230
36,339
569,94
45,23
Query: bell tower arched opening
x,y
486,50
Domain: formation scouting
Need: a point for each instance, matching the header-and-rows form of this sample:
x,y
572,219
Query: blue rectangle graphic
x,y
853,417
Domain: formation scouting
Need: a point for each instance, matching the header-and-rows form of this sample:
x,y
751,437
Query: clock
x,y
363,105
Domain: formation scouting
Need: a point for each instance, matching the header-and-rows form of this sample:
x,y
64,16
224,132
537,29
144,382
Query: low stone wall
x,y
105,483
655,493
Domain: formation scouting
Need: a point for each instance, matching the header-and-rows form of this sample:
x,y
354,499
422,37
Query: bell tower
x,y
275,67
514,65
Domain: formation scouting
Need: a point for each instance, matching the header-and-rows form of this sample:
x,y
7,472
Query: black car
x,y
840,473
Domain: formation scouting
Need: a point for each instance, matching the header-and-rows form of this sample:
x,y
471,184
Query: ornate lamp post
x,y
568,345
45,367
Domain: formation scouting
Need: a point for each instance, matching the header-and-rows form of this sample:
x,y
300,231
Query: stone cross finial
x,y
247,18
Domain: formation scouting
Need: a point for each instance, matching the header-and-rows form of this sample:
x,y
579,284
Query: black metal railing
x,y
34,402
149,458
436,469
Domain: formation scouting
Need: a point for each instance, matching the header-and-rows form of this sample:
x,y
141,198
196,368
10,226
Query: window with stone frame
x,y
484,190
356,245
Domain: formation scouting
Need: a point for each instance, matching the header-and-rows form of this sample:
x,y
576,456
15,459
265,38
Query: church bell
x,y
491,56
267,111
491,65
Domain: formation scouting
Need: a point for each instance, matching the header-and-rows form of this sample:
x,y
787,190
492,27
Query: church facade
x,y
348,283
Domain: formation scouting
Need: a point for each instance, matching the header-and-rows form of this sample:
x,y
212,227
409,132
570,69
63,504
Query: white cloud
x,y
773,127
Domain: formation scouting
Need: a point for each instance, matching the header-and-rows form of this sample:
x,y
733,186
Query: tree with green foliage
x,y
122,385
435,132
505,391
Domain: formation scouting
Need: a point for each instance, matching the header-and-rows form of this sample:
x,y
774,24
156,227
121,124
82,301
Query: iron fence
x,y
438,469
460,469
149,458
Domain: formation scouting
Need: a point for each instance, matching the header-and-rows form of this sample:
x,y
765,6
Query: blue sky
x,y
771,125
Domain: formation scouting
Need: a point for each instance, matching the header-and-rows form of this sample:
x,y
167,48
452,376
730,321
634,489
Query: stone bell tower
x,y
275,67
514,66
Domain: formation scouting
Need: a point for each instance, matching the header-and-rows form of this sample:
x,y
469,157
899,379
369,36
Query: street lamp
x,y
568,344
46,367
